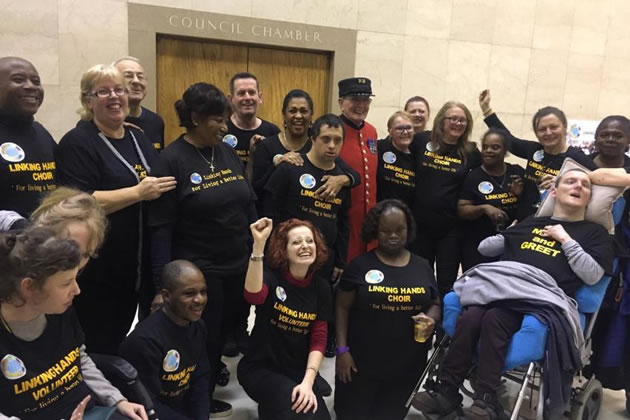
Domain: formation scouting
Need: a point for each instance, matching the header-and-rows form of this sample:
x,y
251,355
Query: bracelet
x,y
257,257
488,112
313,368
341,350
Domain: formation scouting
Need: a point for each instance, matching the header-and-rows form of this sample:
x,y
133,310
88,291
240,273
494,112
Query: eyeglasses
x,y
457,120
359,99
402,128
106,92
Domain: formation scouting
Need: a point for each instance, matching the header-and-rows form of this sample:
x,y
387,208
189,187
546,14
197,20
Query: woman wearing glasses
x,y
112,162
443,158
396,172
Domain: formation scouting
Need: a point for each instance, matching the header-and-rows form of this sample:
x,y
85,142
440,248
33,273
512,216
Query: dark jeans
x,y
493,329
369,398
443,249
272,389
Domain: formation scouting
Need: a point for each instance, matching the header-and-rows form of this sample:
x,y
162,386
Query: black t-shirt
x,y
291,194
524,244
538,164
209,211
482,188
84,161
152,125
281,335
380,329
439,178
42,379
27,164
396,173
243,137
169,358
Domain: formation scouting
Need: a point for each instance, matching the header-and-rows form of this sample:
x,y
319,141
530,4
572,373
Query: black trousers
x,y
443,249
225,299
492,328
369,398
272,389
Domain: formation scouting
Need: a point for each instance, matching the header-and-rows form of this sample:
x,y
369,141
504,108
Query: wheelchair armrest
x,y
115,367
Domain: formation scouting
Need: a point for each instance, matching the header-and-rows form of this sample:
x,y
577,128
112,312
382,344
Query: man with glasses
x,y
149,122
360,153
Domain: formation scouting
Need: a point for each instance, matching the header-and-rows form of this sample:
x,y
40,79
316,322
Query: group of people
x,y
333,234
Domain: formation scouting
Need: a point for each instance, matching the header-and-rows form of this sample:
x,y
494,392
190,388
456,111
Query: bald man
x,y
27,165
150,122
168,348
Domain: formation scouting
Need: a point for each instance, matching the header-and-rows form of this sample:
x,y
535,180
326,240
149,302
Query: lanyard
x,y
122,159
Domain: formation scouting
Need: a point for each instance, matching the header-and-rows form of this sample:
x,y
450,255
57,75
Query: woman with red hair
x,y
288,342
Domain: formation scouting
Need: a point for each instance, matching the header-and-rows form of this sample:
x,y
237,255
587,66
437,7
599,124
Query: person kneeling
x,y
168,348
545,260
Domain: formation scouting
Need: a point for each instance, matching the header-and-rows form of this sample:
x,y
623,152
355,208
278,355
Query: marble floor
x,y
245,409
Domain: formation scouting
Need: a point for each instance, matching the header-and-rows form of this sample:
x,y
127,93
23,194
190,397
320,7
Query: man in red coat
x,y
359,152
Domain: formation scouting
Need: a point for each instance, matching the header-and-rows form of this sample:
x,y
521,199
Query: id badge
x,y
372,146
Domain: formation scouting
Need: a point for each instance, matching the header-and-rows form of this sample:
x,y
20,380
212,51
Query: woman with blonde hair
x,y
443,157
112,162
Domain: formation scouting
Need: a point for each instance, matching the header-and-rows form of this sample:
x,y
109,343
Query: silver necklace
x,y
210,162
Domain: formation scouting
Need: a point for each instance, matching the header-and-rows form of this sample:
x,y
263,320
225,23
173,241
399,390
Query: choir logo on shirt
x,y
195,178
231,140
281,293
539,155
11,152
431,147
307,181
171,361
12,367
485,187
374,276
389,157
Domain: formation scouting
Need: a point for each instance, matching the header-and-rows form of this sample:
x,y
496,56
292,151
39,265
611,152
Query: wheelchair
x,y
526,352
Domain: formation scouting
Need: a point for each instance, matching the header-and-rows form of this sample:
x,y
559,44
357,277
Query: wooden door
x,y
182,62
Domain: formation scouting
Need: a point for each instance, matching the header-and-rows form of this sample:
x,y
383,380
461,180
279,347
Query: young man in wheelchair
x,y
557,255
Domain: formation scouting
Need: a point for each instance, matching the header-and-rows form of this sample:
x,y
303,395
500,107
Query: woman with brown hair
x,y
443,157
293,306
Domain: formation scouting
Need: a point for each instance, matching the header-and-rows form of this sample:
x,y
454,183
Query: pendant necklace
x,y
209,162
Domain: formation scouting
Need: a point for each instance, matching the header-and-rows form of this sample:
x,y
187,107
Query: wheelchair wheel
x,y
587,402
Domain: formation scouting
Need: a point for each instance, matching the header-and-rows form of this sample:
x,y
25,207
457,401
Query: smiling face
x,y
492,150
551,133
210,130
246,97
21,92
111,110
187,301
401,133
133,73
420,114
454,124
301,248
327,146
573,190
355,108
612,141
392,231
298,116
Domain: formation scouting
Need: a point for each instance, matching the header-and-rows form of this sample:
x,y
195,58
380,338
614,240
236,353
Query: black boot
x,y
485,407
440,400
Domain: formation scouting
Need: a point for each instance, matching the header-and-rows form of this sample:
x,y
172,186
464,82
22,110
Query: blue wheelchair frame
x,y
527,347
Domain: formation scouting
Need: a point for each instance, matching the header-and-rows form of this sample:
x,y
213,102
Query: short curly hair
x,y
369,232
277,254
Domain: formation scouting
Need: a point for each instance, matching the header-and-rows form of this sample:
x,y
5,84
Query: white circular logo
x,y
171,361
195,178
12,367
431,147
485,187
231,140
281,293
389,157
374,276
539,155
11,152
307,181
